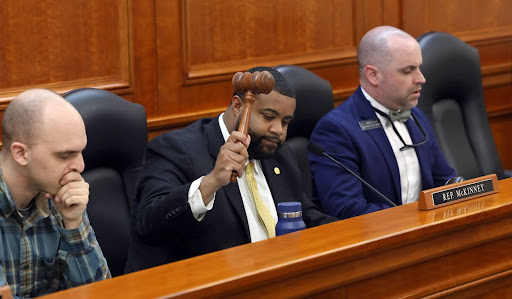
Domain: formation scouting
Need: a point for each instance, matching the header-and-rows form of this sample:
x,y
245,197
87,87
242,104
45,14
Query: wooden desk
x,y
459,250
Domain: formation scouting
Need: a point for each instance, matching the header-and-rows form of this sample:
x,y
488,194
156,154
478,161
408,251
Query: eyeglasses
x,y
406,146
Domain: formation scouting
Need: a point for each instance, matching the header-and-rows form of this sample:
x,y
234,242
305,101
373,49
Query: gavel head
x,y
257,82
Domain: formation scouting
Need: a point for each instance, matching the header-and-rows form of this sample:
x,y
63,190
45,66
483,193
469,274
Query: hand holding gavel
x,y
250,84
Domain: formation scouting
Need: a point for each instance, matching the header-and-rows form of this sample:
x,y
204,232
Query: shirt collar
x,y
7,206
42,204
378,106
374,103
223,127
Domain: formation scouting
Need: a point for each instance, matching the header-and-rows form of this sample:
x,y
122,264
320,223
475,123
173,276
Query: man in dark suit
x,y
187,205
378,133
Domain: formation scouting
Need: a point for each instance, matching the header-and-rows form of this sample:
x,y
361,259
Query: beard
x,y
257,149
261,151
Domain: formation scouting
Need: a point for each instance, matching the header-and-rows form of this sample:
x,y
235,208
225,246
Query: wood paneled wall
x,y
176,58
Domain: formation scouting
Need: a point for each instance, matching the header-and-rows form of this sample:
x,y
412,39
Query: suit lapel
x,y
231,191
274,181
380,138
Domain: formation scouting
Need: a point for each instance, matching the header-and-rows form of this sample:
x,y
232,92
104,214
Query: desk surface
x,y
449,248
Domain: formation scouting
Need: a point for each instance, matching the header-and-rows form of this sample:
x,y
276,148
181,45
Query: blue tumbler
x,y
290,218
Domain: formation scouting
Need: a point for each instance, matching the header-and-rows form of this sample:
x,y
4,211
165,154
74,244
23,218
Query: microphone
x,y
319,151
455,179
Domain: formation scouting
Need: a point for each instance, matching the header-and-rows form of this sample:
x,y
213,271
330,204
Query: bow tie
x,y
401,115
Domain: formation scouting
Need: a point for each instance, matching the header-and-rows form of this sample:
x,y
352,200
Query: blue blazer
x,y
370,155
166,230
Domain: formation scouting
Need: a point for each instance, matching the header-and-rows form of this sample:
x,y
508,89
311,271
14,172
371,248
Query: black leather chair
x,y
314,100
116,142
453,100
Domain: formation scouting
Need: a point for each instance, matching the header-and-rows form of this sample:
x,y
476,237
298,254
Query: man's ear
x,y
237,104
19,152
372,74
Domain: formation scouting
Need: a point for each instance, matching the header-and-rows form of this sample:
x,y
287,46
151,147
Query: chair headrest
x,y
450,66
116,128
314,99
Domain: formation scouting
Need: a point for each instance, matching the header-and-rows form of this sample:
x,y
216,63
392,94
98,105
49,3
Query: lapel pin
x,y
277,170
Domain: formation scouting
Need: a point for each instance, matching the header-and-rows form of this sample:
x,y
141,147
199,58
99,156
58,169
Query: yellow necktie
x,y
264,214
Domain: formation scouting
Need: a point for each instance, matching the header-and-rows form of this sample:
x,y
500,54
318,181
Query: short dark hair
x,y
281,84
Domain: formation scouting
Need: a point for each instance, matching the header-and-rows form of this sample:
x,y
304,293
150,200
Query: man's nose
x,y
78,163
277,128
421,79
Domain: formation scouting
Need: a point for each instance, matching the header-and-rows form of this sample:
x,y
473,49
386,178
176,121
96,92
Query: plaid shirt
x,y
38,256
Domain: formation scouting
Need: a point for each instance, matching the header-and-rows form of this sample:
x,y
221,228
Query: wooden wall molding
x,y
113,84
249,40
181,119
501,112
342,94
159,125
487,36
48,47
198,74
497,75
177,58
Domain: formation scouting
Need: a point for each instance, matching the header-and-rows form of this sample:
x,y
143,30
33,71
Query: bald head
x,y
376,47
30,112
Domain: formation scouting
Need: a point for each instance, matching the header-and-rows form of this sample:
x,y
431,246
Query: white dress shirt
x,y
407,160
256,228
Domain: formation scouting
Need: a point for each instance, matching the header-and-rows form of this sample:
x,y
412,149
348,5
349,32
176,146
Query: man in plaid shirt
x,y
47,241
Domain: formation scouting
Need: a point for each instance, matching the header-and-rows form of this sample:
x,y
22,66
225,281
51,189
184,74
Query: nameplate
x,y
370,124
454,193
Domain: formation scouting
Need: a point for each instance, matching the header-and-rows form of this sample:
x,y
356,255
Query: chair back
x,y
314,100
452,98
116,143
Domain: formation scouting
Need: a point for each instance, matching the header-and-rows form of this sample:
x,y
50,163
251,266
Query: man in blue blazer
x,y
187,205
378,133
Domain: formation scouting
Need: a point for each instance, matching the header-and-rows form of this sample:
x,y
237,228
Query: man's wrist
x,y
208,187
72,224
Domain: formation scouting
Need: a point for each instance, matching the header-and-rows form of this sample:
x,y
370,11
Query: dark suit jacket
x,y
370,155
166,229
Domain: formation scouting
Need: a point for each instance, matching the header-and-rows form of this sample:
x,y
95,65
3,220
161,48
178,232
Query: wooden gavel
x,y
250,84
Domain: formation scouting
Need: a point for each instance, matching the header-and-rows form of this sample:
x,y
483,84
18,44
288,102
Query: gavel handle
x,y
244,123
